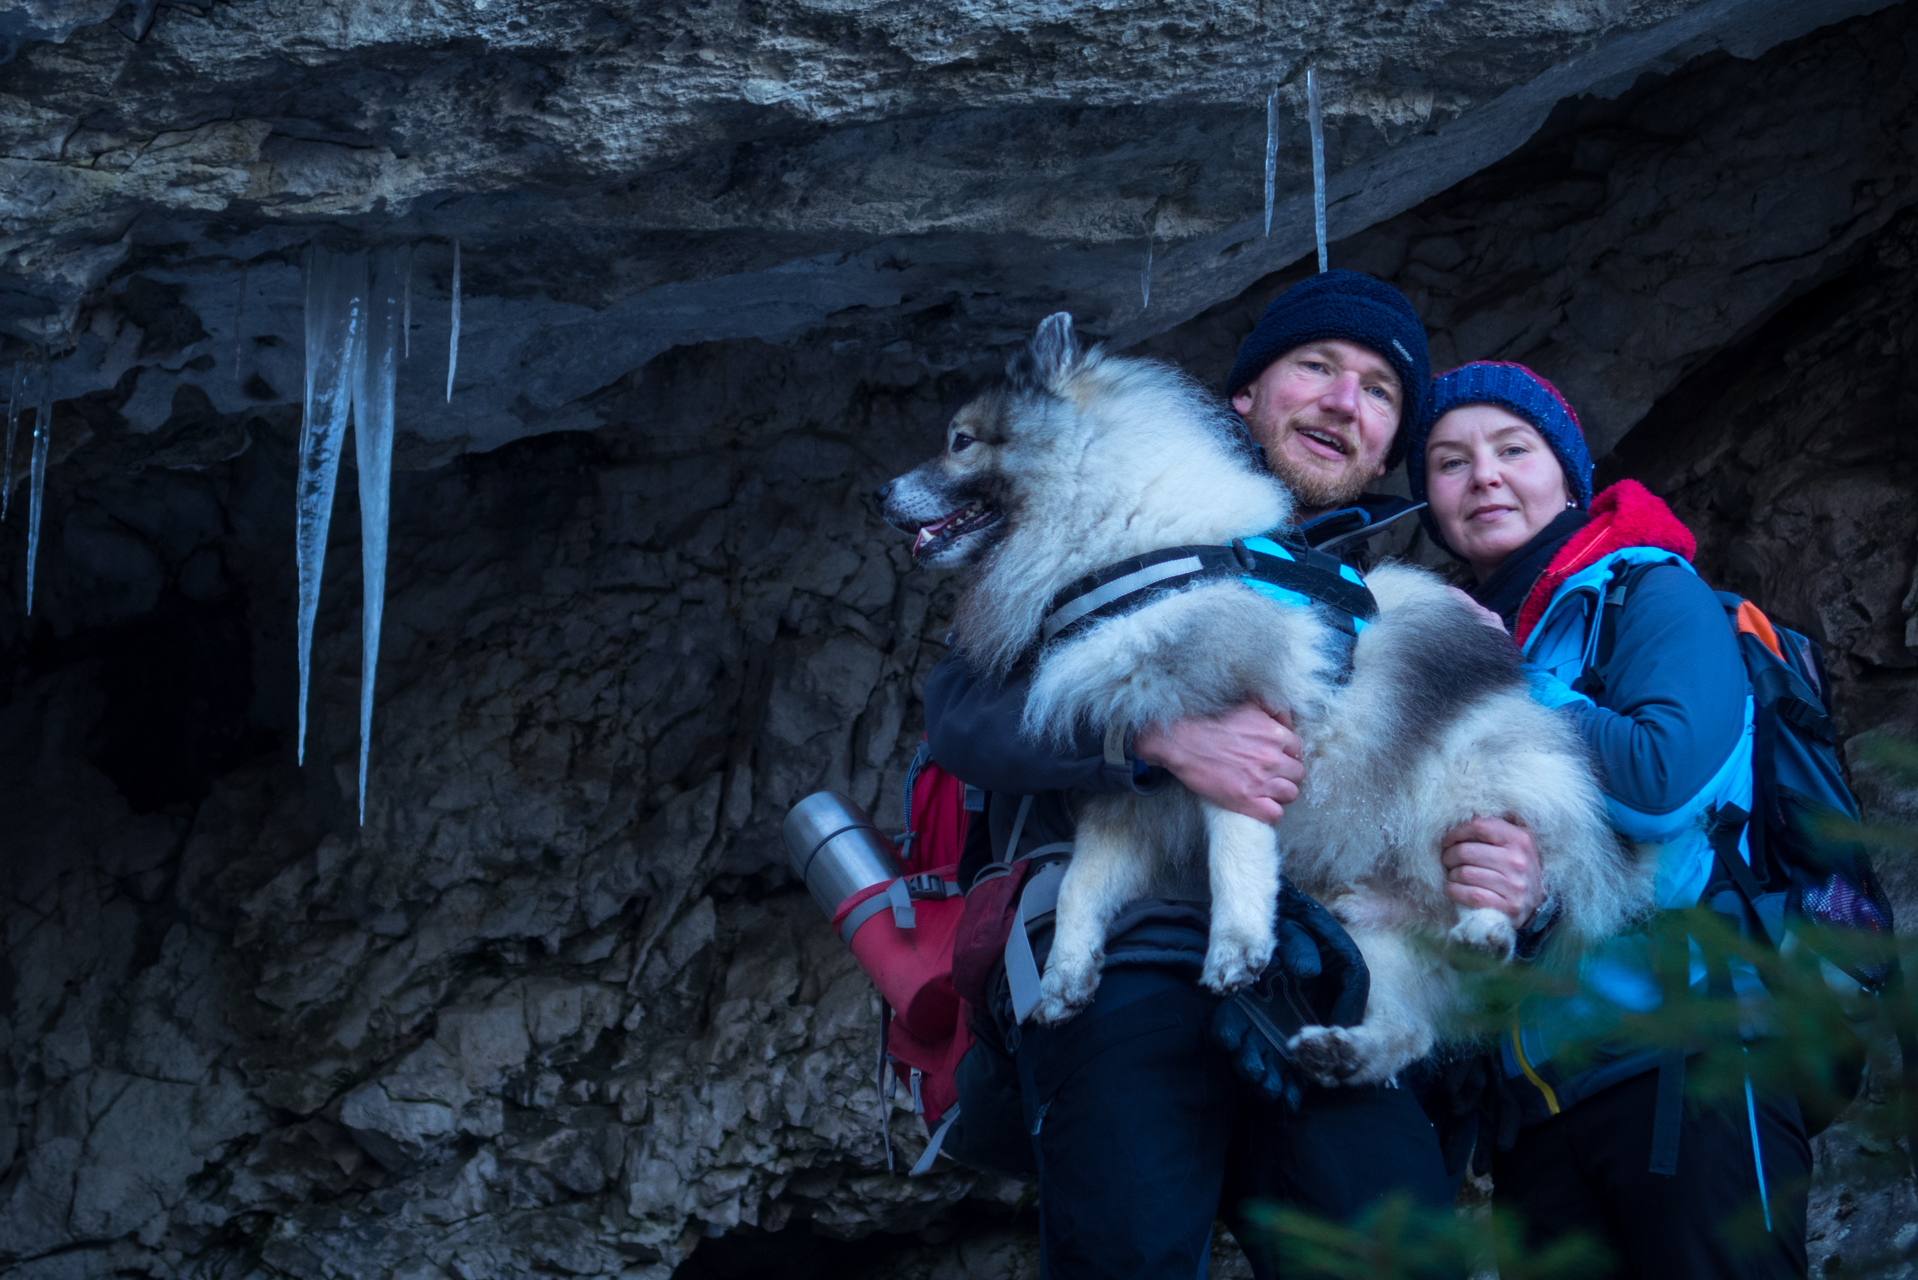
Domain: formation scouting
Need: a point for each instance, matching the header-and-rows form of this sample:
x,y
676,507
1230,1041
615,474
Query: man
x,y
1141,1130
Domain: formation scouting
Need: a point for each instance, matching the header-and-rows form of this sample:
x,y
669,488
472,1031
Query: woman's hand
x,y
1484,615
1248,760
1491,862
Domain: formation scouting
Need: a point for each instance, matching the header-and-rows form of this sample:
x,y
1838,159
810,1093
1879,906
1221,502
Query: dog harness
x,y
1287,572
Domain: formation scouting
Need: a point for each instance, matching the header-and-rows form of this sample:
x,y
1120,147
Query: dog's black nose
x,y
880,494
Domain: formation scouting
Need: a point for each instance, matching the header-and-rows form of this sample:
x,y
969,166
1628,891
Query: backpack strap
x,y
1668,1112
1037,902
923,1165
1726,823
1598,654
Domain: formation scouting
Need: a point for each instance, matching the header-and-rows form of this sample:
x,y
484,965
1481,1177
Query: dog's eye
x,y
960,440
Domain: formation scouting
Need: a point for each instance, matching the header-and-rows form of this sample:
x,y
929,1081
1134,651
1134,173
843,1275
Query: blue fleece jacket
x,y
1674,700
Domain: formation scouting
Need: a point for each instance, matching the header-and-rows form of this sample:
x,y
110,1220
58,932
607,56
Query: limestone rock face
x,y
556,1007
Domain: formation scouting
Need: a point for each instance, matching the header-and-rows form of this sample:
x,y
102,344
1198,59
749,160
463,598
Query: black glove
x,y
1316,977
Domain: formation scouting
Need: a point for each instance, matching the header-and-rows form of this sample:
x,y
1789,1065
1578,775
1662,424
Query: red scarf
x,y
1625,515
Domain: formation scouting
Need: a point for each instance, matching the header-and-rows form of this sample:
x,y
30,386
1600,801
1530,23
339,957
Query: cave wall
x,y
556,1006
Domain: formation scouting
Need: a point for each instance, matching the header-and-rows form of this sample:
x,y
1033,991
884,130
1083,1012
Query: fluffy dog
x,y
1080,460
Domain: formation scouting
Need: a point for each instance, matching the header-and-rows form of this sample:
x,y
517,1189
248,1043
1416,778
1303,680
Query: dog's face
x,y
954,504
959,504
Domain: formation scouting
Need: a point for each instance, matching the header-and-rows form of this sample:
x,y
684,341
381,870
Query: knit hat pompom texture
x,y
1357,308
1514,388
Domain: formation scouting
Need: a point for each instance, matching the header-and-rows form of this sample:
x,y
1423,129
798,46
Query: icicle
x,y
335,338
1318,161
406,306
239,314
1145,272
453,351
378,369
13,425
36,493
1271,153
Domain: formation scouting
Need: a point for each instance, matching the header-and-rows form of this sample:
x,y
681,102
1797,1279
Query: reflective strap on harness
x,y
1138,580
923,1165
1036,905
1304,575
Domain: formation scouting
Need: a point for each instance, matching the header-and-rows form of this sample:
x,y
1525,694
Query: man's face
x,y
1326,413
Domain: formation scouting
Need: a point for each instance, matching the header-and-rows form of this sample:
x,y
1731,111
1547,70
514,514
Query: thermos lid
x,y
834,848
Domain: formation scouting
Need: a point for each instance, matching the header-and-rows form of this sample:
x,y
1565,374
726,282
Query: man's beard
x,y
1314,490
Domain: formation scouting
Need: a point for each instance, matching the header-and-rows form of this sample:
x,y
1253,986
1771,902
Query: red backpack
x,y
902,932
929,950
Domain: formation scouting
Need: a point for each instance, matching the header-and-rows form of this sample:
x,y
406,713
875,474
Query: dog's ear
x,y
1052,353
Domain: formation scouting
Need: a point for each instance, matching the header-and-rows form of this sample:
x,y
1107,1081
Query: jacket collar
x,y
1366,510
1506,590
1625,515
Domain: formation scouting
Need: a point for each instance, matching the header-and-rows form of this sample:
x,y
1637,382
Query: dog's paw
x,y
1324,1054
1343,1056
1234,960
1346,906
1064,991
1486,930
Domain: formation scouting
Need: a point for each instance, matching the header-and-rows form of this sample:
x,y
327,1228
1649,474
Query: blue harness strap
x,y
1288,572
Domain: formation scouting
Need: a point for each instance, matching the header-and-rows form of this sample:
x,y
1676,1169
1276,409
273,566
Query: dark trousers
x,y
1587,1171
1144,1135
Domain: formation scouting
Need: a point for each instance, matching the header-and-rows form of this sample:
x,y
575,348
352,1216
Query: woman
x,y
1662,700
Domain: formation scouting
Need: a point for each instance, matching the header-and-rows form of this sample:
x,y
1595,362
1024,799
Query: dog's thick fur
x,y
1083,459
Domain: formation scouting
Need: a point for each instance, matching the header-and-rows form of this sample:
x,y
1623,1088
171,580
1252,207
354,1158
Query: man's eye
x,y
1381,393
960,441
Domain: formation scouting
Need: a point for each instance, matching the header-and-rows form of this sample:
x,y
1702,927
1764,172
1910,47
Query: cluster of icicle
x,y
1316,121
358,317
42,439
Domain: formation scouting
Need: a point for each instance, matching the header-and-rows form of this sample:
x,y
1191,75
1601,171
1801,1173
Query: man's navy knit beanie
x,y
1343,304
1517,389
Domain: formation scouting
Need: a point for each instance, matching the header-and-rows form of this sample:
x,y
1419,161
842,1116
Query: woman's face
x,y
1492,481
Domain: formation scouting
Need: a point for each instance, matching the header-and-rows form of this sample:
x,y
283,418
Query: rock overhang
x,y
625,182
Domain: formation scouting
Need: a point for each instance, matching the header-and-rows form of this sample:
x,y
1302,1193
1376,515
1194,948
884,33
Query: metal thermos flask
x,y
833,846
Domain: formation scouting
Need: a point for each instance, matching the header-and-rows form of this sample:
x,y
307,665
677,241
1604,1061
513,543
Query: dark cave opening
x,y
794,1253
178,693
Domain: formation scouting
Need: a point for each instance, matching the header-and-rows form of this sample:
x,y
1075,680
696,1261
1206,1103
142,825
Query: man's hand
x,y
1491,862
1248,760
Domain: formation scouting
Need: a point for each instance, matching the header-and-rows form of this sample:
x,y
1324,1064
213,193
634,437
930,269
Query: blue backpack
x,y
1800,867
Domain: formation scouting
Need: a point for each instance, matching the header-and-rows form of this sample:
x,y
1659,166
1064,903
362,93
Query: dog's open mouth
x,y
952,526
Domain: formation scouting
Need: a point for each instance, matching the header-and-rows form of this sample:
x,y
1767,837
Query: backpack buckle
x,y
927,886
